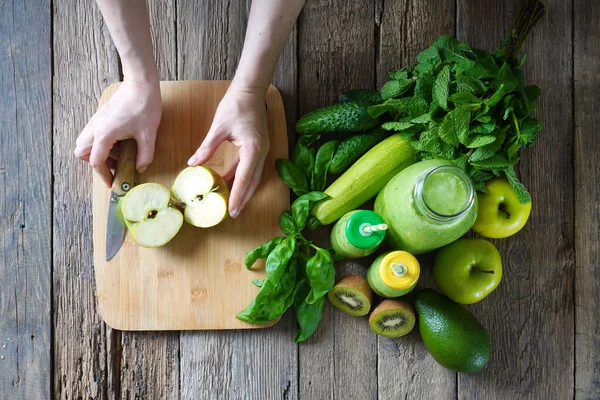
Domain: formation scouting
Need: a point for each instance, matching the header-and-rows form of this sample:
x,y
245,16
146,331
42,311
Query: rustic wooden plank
x,y
25,199
335,53
530,316
587,199
84,63
236,364
405,27
146,364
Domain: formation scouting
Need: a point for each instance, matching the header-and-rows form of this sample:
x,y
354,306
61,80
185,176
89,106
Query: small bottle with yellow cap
x,y
357,234
394,274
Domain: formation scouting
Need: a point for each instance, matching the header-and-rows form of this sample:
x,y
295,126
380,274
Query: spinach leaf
x,y
292,175
320,273
322,162
261,251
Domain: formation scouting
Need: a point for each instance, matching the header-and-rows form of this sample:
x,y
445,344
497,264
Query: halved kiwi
x,y
352,295
392,318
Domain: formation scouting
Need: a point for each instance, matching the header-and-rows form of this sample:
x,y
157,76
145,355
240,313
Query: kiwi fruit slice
x,y
392,318
352,295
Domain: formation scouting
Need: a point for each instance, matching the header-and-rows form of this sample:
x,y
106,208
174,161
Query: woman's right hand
x,y
133,112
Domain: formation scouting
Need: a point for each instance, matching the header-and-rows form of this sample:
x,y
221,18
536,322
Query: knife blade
x,y
123,181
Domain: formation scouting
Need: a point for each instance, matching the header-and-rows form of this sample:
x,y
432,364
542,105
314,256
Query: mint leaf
x,y
462,118
497,96
440,87
520,189
486,127
399,74
422,119
395,88
529,129
446,130
489,150
424,87
416,106
470,85
396,126
532,92
461,161
460,63
497,161
465,98
479,140
484,68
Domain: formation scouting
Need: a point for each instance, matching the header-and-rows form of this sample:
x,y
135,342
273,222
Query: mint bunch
x,y
465,105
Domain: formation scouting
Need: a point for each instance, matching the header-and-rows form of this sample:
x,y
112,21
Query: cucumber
x,y
352,148
346,117
364,96
367,177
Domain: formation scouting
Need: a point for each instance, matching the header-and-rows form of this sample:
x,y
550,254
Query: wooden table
x,y
56,57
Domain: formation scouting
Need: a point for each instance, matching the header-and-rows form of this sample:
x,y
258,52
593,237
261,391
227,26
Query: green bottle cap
x,y
365,229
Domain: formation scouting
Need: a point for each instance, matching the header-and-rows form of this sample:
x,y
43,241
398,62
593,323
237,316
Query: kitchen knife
x,y
123,181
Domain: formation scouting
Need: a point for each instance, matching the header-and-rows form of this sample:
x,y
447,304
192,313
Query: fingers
x,y
145,153
254,182
243,178
83,145
229,175
207,149
99,154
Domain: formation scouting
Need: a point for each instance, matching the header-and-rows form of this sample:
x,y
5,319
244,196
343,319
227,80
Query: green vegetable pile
x,y
298,273
456,103
464,105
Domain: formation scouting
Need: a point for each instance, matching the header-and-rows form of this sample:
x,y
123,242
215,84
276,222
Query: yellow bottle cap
x,y
399,270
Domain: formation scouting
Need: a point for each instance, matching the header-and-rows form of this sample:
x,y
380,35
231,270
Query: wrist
x,y
141,73
249,87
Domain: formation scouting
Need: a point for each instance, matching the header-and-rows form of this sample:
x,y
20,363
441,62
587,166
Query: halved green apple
x,y
149,216
203,194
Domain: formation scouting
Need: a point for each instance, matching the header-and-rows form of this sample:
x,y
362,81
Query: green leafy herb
x,y
292,175
323,160
320,273
307,315
261,251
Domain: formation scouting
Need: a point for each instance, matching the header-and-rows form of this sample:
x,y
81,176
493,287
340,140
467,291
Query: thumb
x,y
145,155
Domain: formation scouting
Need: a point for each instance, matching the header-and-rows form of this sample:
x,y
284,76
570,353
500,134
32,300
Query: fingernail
x,y
142,169
193,160
235,213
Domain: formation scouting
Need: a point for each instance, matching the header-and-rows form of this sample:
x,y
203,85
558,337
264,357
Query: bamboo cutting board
x,y
198,280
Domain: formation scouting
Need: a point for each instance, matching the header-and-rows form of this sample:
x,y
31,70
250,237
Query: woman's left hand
x,y
241,119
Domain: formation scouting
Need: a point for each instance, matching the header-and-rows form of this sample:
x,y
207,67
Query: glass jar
x,y
427,205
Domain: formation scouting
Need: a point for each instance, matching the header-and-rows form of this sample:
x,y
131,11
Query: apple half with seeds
x,y
203,194
149,216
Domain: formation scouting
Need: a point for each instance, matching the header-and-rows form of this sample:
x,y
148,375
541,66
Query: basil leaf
x,y
288,224
273,299
279,259
322,162
302,206
258,282
440,87
303,156
320,273
292,175
261,251
307,315
313,222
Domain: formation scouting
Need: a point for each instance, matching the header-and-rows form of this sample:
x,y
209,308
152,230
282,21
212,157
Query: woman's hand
x,y
133,112
241,119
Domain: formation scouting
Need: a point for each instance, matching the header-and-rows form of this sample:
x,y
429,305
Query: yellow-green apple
x,y
149,215
500,214
467,270
203,194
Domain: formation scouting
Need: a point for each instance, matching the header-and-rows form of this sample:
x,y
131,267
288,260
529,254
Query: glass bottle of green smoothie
x,y
357,234
427,205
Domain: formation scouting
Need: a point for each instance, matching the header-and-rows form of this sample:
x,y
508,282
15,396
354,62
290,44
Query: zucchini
x,y
346,117
352,148
364,96
367,177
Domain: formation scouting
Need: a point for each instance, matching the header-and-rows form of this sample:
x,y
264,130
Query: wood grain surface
x,y
56,59
197,281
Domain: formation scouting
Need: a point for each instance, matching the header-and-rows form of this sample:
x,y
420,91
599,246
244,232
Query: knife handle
x,y
125,173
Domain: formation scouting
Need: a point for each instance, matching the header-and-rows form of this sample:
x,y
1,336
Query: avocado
x,y
453,336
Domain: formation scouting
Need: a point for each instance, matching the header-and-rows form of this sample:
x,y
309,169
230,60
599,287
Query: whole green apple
x,y
467,270
500,214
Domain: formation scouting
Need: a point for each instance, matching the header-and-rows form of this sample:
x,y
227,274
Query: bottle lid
x,y
365,229
399,270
